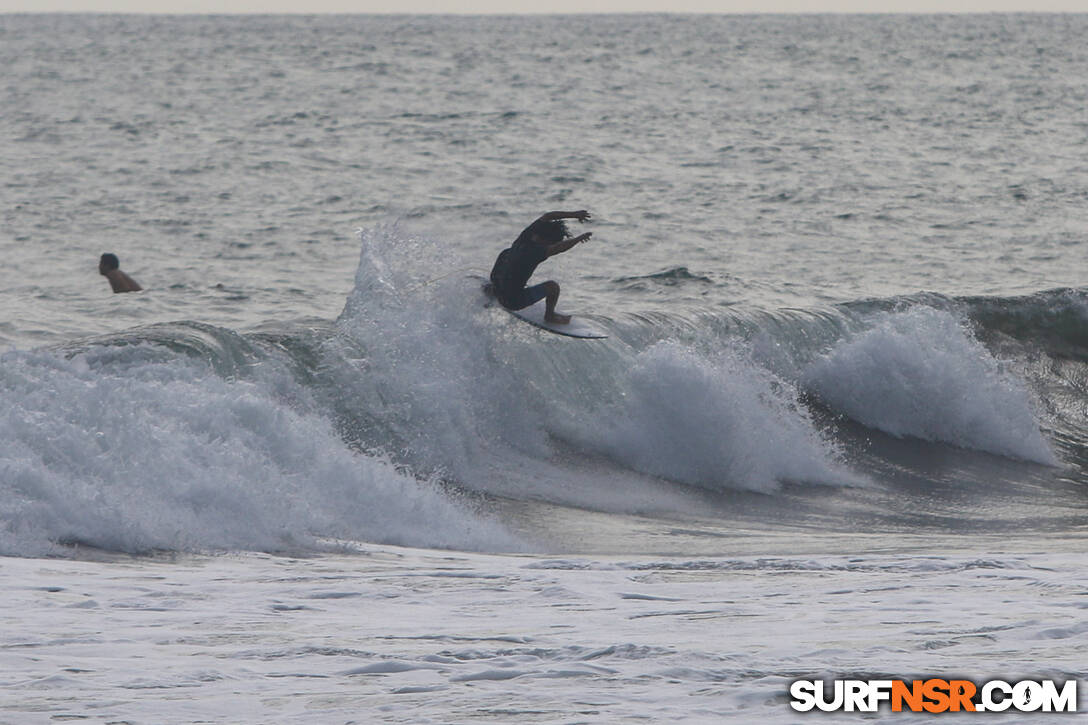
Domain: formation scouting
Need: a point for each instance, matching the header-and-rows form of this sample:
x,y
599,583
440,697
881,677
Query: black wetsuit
x,y
512,271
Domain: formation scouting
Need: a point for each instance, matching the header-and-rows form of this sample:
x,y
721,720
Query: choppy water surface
x,y
841,260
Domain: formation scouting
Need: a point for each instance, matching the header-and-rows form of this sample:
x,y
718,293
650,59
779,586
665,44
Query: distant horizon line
x,y
394,13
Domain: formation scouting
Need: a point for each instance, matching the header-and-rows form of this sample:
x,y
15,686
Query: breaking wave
x,y
404,420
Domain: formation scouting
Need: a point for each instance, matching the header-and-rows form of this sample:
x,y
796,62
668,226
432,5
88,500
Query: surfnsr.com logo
x,y
934,695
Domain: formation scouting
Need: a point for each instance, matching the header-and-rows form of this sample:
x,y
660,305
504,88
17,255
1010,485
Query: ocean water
x,y
839,428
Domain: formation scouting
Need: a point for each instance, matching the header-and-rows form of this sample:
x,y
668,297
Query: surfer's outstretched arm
x,y
552,216
560,247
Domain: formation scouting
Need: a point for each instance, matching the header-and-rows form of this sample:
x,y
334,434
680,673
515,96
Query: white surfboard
x,y
534,315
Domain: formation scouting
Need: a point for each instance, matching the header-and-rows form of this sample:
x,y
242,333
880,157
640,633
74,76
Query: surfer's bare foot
x,y
557,319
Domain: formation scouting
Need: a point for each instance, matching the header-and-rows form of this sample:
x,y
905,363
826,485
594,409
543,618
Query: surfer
x,y
110,268
544,238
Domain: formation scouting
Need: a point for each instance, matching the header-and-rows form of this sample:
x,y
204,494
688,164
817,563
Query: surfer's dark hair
x,y
110,261
551,231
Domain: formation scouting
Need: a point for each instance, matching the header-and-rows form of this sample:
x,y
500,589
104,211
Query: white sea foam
x,y
439,392
724,423
920,373
134,448
462,396
452,388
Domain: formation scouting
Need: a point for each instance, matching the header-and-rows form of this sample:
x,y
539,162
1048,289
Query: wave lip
x,y
919,373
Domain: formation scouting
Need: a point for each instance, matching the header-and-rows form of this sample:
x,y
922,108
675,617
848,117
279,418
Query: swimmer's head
x,y
108,263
